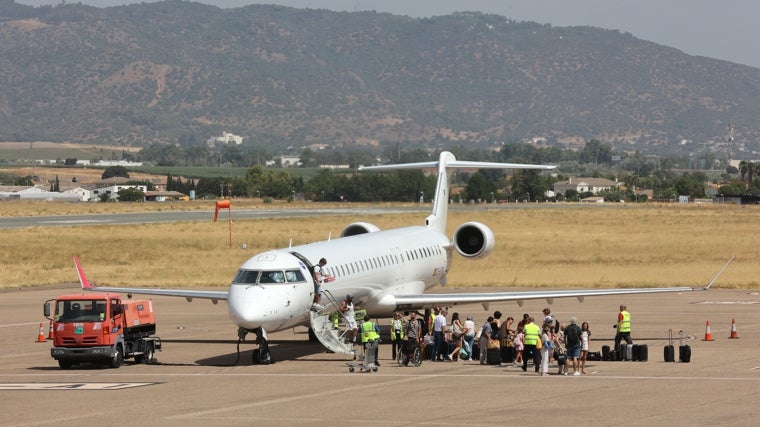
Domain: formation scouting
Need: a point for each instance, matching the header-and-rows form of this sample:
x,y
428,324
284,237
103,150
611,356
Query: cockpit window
x,y
272,277
247,276
294,276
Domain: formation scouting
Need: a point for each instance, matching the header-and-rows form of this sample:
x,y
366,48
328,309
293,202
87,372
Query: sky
x,y
725,30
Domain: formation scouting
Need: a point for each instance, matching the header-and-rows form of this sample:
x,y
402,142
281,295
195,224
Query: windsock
x,y
221,204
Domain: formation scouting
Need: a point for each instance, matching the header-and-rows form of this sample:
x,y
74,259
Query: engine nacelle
x,y
473,240
358,228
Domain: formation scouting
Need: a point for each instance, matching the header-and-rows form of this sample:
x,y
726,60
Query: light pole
x,y
258,194
422,197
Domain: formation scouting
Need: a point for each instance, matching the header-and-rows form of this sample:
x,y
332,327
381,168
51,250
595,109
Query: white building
x,y
226,138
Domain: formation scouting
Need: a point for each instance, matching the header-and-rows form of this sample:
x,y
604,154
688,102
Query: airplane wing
x,y
214,296
451,299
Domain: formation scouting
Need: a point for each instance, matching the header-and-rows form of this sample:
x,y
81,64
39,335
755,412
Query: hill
x,y
177,71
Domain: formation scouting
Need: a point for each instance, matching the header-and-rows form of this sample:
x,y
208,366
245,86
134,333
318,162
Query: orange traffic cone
x,y
51,334
708,333
41,336
733,329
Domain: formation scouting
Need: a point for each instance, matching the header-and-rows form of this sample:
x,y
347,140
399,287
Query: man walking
x,y
623,327
572,335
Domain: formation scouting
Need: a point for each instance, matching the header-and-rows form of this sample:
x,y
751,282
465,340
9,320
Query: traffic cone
x,y
708,333
733,329
41,336
51,334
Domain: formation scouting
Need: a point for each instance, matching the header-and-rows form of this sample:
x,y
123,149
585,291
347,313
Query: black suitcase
x,y
670,353
640,352
475,351
493,357
605,352
684,353
508,354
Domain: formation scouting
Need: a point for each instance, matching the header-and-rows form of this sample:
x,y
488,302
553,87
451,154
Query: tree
x,y
113,171
131,195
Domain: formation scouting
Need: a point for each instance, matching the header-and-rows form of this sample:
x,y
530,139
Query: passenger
x,y
347,310
547,348
413,333
521,324
623,327
485,335
585,339
440,348
397,333
532,336
551,320
519,347
457,336
573,343
319,279
469,336
560,350
496,325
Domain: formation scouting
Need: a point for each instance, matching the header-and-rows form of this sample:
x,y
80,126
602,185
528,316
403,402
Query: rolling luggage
x,y
508,354
670,354
684,353
493,357
640,352
605,352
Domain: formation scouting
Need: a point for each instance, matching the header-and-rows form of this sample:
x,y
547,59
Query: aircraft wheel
x,y
256,356
350,369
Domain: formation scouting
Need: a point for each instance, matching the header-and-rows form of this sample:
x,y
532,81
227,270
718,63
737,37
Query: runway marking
x,y
72,386
729,302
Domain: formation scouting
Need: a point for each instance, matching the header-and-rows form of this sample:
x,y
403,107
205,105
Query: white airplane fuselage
x,y
373,267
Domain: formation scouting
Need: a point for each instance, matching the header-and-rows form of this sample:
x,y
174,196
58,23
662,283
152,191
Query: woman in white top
x,y
585,338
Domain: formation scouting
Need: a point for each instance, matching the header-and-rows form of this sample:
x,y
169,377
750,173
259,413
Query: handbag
x,y
456,330
493,344
539,345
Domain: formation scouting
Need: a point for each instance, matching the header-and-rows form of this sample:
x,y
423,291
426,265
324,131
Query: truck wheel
x,y
149,352
65,364
118,359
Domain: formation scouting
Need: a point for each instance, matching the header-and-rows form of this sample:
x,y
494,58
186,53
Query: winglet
x,y
80,272
717,275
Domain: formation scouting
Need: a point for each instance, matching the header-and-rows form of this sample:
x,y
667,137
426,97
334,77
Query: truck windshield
x,y
84,310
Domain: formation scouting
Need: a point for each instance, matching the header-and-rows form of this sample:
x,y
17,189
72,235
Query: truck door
x,y
117,315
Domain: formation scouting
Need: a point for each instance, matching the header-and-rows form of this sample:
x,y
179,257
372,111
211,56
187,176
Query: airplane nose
x,y
245,306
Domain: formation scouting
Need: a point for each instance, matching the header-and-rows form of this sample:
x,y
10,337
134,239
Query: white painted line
x,y
71,386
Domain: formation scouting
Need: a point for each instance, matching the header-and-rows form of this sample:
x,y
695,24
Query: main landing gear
x,y
261,355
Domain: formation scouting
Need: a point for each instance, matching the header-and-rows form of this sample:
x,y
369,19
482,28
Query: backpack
x,y
572,335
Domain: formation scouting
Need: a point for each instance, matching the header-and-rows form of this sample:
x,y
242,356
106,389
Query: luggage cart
x,y
369,364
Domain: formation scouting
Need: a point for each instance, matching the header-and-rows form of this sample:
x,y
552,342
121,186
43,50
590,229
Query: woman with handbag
x,y
457,332
547,348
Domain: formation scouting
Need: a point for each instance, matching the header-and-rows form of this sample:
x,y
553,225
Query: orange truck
x,y
101,328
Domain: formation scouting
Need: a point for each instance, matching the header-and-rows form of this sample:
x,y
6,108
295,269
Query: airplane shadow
x,y
291,350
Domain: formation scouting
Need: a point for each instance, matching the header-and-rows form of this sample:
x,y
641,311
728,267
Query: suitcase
x,y
628,352
684,353
475,351
493,357
670,353
605,352
507,354
640,352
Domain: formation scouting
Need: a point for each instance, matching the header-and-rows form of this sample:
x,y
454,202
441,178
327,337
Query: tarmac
x,y
198,378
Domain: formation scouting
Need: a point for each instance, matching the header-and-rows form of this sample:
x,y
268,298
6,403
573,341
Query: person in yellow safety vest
x,y
532,337
397,333
370,332
623,327
335,319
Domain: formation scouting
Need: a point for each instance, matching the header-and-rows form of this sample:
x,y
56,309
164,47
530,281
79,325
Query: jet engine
x,y
473,240
358,228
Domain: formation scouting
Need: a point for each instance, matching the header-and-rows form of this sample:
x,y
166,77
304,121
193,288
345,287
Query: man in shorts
x,y
347,310
572,335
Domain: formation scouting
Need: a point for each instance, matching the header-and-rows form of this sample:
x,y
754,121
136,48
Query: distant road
x,y
177,216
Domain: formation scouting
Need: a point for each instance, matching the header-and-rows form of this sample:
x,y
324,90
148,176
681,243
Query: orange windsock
x,y
708,333
221,204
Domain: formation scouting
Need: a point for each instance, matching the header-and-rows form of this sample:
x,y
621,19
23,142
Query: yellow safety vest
x,y
532,334
625,324
394,324
368,332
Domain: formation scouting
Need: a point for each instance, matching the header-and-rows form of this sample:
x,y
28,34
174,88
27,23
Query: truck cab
x,y
101,328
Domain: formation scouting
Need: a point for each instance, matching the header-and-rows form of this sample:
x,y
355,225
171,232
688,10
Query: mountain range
x,y
181,72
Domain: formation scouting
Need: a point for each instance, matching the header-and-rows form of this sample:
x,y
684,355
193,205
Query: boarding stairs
x,y
326,330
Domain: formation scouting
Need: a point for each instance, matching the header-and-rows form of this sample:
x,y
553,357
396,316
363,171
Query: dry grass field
x,y
559,246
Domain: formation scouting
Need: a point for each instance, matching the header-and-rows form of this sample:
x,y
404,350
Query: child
x,y
519,347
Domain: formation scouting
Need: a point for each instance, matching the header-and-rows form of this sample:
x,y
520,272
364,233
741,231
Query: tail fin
x,y
446,164
80,273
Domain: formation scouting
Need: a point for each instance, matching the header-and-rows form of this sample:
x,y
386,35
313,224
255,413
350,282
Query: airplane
x,y
384,270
